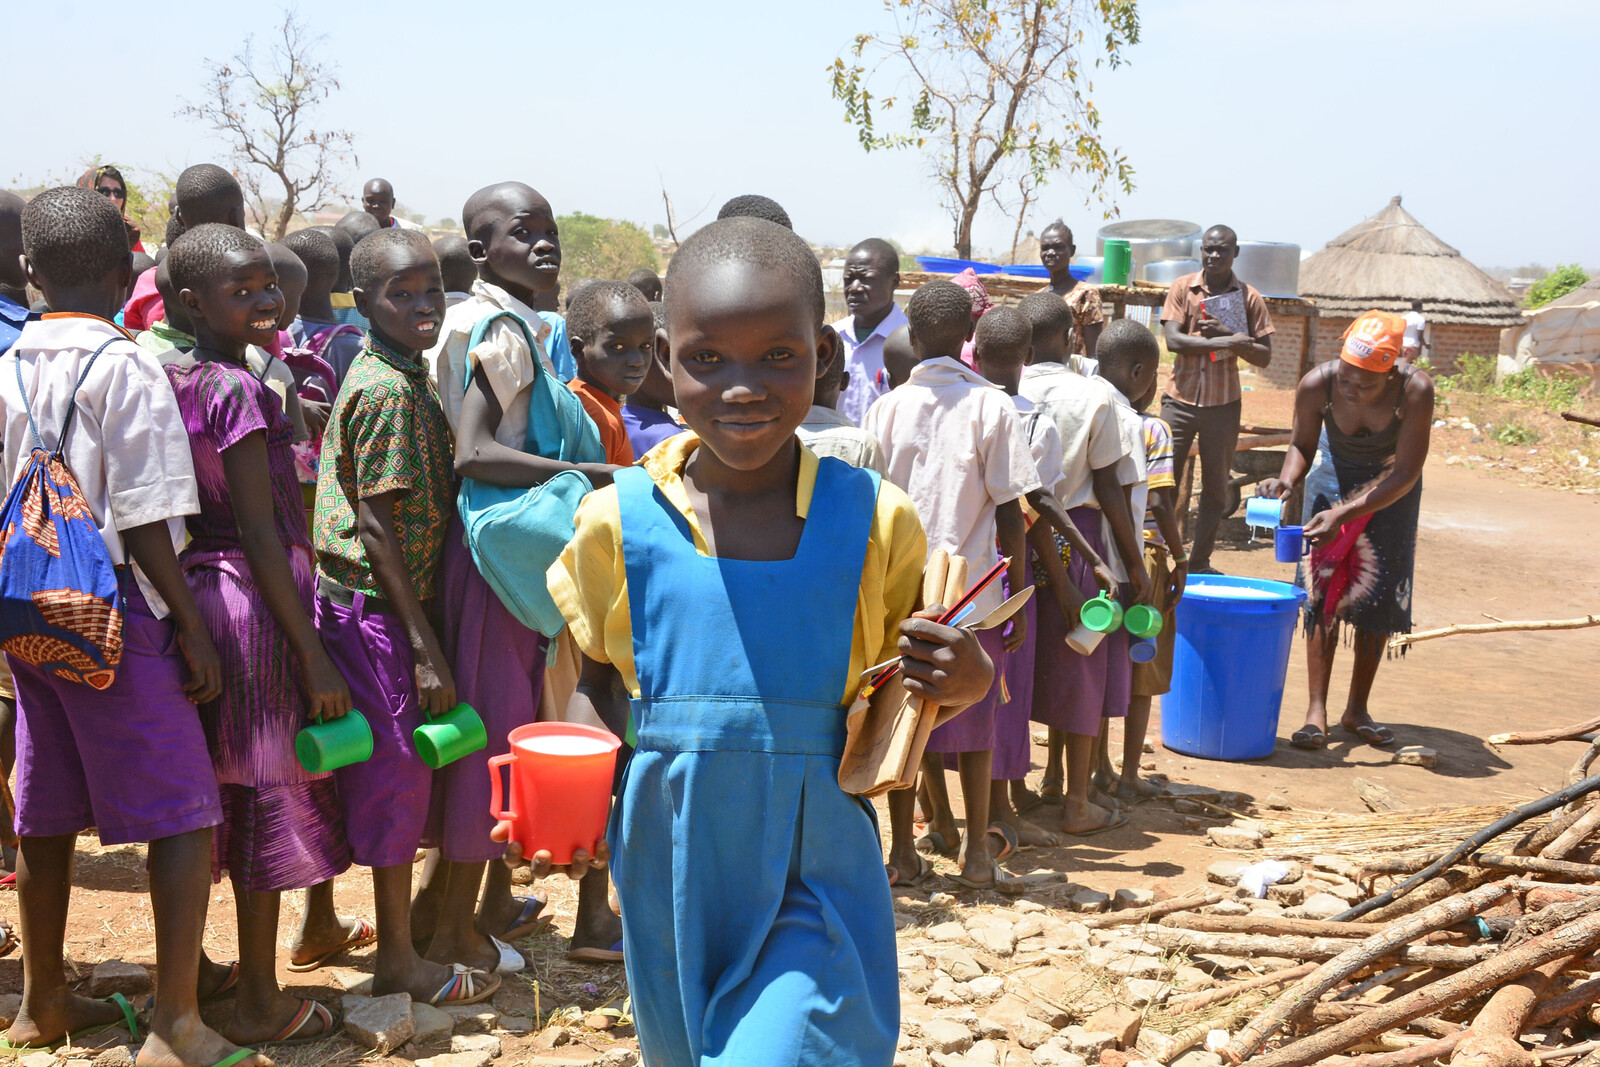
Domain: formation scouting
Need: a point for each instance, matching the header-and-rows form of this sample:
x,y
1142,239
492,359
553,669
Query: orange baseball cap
x,y
1373,341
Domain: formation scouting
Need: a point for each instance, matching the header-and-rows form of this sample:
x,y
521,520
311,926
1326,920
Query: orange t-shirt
x,y
607,415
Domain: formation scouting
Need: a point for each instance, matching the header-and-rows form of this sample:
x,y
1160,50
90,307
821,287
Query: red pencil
x,y
950,613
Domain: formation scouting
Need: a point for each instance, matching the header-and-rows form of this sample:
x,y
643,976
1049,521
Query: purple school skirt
x,y
499,669
130,759
1069,689
973,729
1013,748
385,799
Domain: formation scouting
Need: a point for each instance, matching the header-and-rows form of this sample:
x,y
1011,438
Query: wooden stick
x,y
1574,938
1313,948
1165,1049
1447,885
1354,958
1534,842
1195,1001
1498,861
1381,978
1472,844
1134,916
1564,1053
1586,420
1544,737
1265,924
1572,836
1492,1039
1402,640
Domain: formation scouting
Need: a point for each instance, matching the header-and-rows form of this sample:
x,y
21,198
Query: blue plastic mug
x,y
1263,511
1141,650
1289,544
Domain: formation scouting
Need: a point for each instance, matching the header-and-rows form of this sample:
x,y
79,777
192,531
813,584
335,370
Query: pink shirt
x,y
144,307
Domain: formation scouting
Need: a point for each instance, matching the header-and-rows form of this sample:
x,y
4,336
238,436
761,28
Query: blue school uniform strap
x,y
516,534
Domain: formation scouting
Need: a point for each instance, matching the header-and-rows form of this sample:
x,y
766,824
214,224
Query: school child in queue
x,y
1070,690
645,413
668,587
129,759
385,494
249,564
952,441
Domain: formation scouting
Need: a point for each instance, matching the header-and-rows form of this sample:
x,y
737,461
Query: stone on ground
x,y
1145,991
1225,872
380,1023
1416,756
456,1059
1322,906
118,976
1235,837
433,1024
1132,898
476,1043
946,1035
1121,1022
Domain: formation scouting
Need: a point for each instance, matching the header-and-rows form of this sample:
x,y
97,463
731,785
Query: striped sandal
x,y
293,1033
467,985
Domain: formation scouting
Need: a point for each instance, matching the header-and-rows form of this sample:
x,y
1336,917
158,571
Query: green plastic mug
x,y
1101,614
458,732
1142,620
336,743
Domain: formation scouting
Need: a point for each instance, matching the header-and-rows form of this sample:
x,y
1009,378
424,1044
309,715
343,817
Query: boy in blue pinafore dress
x,y
738,585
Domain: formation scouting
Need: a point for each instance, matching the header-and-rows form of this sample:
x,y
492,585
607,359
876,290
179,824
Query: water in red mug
x,y
560,787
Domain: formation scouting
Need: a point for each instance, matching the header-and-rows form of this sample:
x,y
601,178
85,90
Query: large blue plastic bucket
x,y
1229,665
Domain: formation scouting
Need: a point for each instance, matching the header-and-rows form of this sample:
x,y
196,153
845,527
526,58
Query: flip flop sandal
x,y
511,961
130,1019
365,934
999,881
1008,840
933,841
9,881
597,955
529,920
291,1034
1310,738
924,869
238,1057
1118,818
1373,734
9,943
1050,790
226,987
466,985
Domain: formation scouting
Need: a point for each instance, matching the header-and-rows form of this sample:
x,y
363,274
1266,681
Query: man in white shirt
x,y
871,275
828,433
1416,335
377,200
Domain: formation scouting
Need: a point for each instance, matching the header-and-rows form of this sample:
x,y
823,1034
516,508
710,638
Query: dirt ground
x,y
1488,546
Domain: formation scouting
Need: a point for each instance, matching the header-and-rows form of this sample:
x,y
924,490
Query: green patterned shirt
x,y
386,433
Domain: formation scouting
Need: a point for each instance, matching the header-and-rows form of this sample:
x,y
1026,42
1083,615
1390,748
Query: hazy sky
x,y
1289,120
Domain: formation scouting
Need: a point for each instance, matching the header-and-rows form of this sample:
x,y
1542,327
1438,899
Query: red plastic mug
x,y
560,787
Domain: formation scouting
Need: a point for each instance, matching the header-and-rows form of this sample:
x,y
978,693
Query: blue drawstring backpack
x,y
516,534
60,607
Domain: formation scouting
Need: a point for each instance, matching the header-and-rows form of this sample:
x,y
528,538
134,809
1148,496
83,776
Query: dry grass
x,y
1303,834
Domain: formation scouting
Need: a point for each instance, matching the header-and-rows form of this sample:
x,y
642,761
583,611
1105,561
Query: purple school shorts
x,y
973,729
385,799
130,759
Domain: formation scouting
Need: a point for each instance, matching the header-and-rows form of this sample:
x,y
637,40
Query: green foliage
x,y
592,247
1476,374
1557,283
996,91
1513,432
660,232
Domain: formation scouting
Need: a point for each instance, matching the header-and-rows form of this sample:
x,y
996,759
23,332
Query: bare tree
x,y
266,112
998,89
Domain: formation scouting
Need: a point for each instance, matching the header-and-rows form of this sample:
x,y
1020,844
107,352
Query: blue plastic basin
x,y
1228,666
940,265
1026,270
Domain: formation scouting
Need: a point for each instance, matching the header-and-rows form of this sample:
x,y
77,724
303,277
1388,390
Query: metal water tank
x,y
1273,267
1096,263
1167,271
1152,239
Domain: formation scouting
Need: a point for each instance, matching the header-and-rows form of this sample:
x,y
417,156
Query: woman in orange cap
x,y
1361,429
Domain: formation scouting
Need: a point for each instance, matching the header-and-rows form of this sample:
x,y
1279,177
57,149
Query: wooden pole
x,y
1544,737
1575,938
1586,420
1195,1001
1491,1041
1265,924
1313,948
1134,916
1402,640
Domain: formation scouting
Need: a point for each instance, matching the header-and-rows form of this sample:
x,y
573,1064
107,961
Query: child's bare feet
x,y
320,939
475,950
46,1019
191,1043
1132,787
423,979
1028,833
1086,817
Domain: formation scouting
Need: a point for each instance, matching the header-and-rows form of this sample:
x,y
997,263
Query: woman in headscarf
x,y
1361,429
108,182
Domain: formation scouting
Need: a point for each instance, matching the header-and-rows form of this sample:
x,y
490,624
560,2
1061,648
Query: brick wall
x,y
1288,339
1450,341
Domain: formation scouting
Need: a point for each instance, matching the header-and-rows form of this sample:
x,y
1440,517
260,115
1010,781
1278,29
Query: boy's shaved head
x,y
1124,342
763,244
455,263
494,202
357,225
11,276
287,263
940,317
73,237
659,311
207,193
591,308
754,206
346,246
1003,334
881,252
647,282
369,262
1046,312
141,263
200,252
176,315
317,252
898,356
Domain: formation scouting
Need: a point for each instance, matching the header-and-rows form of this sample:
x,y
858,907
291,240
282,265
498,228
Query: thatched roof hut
x,y
1586,293
1391,259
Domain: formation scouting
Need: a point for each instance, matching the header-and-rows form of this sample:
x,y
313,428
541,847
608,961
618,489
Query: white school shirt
x,y
864,360
503,355
1082,410
1133,471
127,446
1044,441
953,442
830,433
